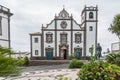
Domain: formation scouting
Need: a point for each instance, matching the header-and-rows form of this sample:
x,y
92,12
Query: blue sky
x,y
29,15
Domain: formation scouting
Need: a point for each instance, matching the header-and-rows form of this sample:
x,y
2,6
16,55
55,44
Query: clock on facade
x,y
63,24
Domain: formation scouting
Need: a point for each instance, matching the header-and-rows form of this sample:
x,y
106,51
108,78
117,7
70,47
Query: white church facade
x,y
63,36
5,15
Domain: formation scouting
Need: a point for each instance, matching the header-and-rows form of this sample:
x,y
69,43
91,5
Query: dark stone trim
x,y
63,19
55,38
89,9
9,32
31,45
96,26
85,32
88,21
64,30
36,34
4,40
42,43
6,12
71,36
0,25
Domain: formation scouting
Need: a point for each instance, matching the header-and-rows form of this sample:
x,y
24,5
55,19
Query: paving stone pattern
x,y
46,75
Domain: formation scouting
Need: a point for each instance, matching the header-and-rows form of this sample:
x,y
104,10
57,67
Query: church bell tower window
x,y
91,15
90,28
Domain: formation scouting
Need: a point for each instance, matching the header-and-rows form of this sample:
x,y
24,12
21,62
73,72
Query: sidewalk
x,y
47,75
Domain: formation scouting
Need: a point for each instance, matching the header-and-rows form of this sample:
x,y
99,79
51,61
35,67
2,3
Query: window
x,y
36,40
36,52
91,15
0,25
49,37
90,28
78,37
63,38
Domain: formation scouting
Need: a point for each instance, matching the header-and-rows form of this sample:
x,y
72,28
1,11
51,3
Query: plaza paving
x,y
52,72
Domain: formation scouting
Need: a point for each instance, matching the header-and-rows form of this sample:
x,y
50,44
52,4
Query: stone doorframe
x,y
61,48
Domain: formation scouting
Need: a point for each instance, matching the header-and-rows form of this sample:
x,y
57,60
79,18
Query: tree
x,y
6,51
9,66
115,26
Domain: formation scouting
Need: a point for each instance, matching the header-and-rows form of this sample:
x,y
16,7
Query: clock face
x,y
63,24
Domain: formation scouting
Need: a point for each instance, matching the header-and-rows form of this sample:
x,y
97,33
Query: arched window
x,y
91,15
90,28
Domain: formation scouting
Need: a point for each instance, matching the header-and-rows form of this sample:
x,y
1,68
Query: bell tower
x,y
90,24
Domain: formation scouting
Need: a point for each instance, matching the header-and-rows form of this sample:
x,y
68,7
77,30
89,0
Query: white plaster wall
x,y
91,36
68,24
4,43
4,35
78,44
68,39
4,29
36,46
49,44
75,25
115,46
51,25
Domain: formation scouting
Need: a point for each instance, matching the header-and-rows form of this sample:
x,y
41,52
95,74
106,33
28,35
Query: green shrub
x,y
9,66
75,64
99,70
114,58
26,61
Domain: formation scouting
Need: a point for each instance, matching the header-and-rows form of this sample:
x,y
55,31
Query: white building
x,y
64,36
5,15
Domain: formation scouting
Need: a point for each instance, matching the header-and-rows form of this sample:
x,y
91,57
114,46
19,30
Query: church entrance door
x,y
65,54
64,51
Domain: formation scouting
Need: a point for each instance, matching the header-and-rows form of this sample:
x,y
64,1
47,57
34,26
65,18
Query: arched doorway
x,y
49,53
78,52
64,52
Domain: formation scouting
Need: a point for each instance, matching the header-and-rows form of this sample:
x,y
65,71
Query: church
x,y
63,36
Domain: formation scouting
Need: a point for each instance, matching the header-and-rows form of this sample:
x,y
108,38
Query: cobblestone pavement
x,y
46,67
53,74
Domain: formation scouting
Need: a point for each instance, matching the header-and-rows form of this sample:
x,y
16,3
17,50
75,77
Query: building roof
x,y
5,10
36,33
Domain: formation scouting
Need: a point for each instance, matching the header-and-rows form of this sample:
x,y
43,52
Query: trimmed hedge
x,y
75,64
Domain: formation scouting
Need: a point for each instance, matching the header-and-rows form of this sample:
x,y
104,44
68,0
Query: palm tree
x,y
115,26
